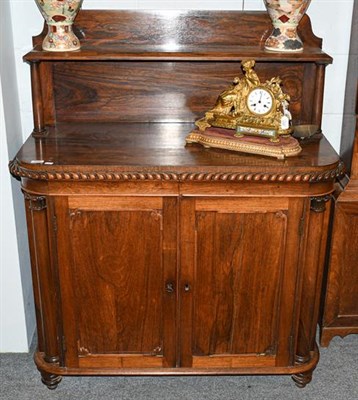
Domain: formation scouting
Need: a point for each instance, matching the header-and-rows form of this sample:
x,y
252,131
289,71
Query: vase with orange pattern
x,y
285,16
59,16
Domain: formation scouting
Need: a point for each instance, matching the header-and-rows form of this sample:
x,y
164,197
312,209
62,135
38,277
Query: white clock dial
x,y
259,101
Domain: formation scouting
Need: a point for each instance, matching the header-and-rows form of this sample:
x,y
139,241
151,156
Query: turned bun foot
x,y
301,380
50,380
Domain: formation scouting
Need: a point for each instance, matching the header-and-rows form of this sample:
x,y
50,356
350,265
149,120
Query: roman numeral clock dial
x,y
259,101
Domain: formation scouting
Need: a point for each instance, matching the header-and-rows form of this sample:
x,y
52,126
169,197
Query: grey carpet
x,y
336,378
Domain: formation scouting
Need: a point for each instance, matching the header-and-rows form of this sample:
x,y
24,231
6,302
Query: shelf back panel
x,y
164,91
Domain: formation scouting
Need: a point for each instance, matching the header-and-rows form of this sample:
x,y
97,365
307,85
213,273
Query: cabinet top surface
x,y
154,147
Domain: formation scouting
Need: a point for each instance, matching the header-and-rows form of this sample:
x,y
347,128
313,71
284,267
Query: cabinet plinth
x,y
153,257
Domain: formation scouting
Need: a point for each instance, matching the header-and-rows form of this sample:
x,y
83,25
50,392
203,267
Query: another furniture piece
x,y
340,316
150,257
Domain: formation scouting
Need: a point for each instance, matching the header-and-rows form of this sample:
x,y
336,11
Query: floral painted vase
x,y
285,16
59,16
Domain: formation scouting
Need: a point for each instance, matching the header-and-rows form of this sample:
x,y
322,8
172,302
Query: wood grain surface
x,y
163,91
156,147
117,33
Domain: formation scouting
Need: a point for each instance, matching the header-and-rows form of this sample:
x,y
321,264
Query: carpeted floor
x,y
336,378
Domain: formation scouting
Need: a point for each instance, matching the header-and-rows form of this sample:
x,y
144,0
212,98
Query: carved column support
x,y
318,100
318,204
313,262
41,243
37,102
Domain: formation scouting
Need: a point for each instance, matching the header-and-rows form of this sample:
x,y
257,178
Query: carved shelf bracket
x,y
37,102
318,204
36,203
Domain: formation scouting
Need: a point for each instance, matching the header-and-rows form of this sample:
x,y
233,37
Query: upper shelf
x,y
178,36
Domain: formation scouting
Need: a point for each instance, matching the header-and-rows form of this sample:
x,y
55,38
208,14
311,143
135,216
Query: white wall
x,y
13,335
331,20
17,317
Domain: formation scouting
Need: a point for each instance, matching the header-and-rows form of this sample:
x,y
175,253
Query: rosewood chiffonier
x,y
154,257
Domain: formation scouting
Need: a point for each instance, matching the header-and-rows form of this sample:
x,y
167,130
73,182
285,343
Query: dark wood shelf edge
x,y
235,54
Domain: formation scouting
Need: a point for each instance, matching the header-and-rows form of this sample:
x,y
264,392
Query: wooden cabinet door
x,y
239,274
117,270
341,305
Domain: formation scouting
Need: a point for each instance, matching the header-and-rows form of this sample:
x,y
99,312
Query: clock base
x,y
221,138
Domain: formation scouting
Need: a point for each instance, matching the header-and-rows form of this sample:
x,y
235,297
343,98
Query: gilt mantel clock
x,y
154,258
249,107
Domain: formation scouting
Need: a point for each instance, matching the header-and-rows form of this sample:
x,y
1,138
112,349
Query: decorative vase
x,y
285,16
59,16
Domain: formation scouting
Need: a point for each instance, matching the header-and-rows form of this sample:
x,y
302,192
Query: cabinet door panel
x,y
241,270
236,299
116,280
118,275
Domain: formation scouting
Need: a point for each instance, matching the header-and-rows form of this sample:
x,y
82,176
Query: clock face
x,y
260,101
